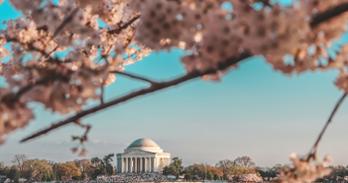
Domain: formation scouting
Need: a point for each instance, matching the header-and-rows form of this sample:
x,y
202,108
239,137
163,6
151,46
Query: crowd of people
x,y
132,177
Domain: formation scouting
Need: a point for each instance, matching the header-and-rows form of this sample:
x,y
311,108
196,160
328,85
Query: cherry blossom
x,y
62,55
305,171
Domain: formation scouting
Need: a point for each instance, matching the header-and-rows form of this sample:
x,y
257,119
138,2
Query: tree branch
x,y
314,149
124,26
136,77
29,45
65,22
329,14
153,88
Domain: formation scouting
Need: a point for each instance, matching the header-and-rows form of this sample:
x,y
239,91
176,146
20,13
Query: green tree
x,y
98,167
267,173
108,168
13,173
174,168
203,172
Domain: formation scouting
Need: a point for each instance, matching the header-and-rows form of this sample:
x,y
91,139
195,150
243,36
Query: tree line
x,y
223,170
232,170
89,169
45,170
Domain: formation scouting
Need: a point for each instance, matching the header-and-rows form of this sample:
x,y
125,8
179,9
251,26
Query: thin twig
x,y
133,76
29,45
84,137
65,22
124,26
102,91
153,88
314,149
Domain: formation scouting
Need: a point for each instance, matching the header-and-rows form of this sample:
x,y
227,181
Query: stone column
x,y
126,169
123,165
138,161
131,164
149,164
141,165
120,165
152,164
136,165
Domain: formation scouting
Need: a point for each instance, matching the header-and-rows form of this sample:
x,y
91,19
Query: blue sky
x,y
252,111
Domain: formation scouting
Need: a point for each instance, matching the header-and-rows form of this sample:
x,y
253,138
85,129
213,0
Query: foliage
x,y
174,168
203,172
239,166
35,170
38,170
107,160
67,171
103,166
87,169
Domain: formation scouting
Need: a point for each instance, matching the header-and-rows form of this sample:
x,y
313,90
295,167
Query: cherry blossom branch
x,y
329,14
102,93
314,149
136,77
30,45
84,137
153,88
80,149
65,22
125,25
316,20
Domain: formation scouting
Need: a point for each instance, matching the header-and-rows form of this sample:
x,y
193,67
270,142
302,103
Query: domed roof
x,y
145,144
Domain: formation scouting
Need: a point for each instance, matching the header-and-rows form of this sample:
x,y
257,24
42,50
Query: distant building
x,y
143,155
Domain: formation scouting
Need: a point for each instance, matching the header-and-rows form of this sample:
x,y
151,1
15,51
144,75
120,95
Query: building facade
x,y
141,156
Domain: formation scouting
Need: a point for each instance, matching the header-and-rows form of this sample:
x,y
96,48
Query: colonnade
x,y
137,164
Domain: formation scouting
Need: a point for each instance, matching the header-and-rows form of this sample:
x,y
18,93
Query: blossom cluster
x,y
62,55
305,171
212,33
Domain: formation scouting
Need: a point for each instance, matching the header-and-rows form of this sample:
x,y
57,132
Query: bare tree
x,y
19,160
244,161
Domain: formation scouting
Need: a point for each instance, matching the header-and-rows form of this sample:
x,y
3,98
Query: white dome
x,y
144,144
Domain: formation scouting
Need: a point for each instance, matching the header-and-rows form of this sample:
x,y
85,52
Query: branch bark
x,y
329,14
124,26
136,77
314,149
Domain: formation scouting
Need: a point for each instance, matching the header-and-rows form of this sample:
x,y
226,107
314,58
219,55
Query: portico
x,y
142,156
